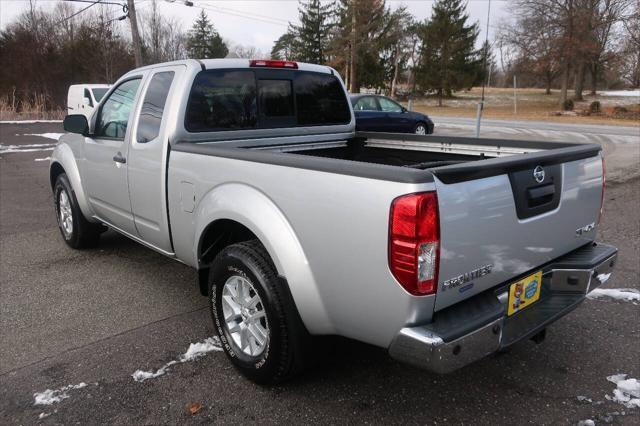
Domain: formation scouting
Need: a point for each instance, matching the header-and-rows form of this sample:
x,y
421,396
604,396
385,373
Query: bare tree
x,y
248,52
162,37
630,49
533,39
594,45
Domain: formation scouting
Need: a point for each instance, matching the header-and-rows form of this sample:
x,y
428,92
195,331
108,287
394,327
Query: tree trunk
x,y
355,86
412,75
347,76
579,83
594,78
549,80
564,83
396,71
440,97
568,54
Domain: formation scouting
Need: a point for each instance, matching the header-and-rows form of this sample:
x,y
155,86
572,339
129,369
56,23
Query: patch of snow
x,y
34,147
628,294
603,278
43,415
199,349
28,145
29,121
627,391
54,136
584,399
195,350
42,159
587,422
13,150
625,93
51,396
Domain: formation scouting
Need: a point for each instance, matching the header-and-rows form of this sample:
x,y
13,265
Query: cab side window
x,y
153,106
367,104
115,111
388,105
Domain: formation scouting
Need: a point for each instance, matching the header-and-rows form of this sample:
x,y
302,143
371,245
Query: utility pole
x,y
484,68
135,35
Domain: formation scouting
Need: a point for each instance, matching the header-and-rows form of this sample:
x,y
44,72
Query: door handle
x,y
118,158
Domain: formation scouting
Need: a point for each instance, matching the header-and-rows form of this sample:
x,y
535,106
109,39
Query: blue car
x,y
375,113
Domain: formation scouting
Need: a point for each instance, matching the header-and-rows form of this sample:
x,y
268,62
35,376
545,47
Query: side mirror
x,y
76,123
404,110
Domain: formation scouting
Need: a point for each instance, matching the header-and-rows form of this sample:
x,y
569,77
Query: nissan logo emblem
x,y
538,174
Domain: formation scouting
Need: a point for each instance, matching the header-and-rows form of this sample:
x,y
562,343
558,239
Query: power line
x,y
242,15
284,21
77,13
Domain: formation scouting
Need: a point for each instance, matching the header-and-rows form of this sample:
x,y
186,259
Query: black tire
x,y
283,354
83,234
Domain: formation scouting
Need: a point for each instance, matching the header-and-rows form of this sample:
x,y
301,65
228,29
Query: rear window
x,y
276,98
222,100
242,99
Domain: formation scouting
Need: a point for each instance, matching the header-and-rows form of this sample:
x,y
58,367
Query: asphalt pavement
x,y
69,317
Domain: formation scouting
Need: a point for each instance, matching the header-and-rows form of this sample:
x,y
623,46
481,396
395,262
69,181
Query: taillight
x,y
414,242
604,179
273,64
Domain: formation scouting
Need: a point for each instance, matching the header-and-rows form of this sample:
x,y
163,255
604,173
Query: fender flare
x,y
254,210
64,156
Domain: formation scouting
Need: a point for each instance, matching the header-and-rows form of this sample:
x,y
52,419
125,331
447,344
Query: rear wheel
x,y
76,231
420,129
254,315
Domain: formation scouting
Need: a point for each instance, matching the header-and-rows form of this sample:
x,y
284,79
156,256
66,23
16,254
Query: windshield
x,y
99,93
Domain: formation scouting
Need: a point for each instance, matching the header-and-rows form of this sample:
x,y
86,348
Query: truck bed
x,y
442,154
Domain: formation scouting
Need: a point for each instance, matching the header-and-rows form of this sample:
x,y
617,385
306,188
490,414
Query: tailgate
x,y
504,217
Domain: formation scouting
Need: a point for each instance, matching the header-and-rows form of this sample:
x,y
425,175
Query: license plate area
x,y
524,292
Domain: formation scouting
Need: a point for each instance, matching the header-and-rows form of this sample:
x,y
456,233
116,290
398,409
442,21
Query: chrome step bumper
x,y
477,327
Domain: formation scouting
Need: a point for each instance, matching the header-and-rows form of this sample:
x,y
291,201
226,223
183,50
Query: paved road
x,y
621,144
529,125
97,316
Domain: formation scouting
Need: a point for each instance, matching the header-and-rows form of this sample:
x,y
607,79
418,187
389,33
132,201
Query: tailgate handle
x,y
540,192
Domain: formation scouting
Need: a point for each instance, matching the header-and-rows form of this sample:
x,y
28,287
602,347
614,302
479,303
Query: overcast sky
x,y
258,22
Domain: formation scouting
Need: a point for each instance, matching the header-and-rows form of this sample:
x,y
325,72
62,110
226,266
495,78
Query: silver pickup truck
x,y
440,249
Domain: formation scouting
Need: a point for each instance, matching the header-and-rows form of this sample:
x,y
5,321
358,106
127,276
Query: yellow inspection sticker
x,y
524,292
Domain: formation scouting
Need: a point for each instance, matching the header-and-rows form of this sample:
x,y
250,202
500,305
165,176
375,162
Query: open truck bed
x,y
449,158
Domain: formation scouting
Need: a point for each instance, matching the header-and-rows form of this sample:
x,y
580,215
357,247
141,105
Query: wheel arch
x,y
63,160
242,211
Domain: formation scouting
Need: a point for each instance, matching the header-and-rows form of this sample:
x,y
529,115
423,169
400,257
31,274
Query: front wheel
x,y
76,231
420,129
254,315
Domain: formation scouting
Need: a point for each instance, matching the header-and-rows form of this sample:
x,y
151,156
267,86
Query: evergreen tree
x,y
358,40
449,58
204,42
312,35
285,47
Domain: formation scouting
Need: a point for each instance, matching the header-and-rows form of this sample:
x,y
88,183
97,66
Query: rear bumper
x,y
479,326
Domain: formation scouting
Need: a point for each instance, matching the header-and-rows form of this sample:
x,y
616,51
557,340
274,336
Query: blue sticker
x,y
531,289
466,287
